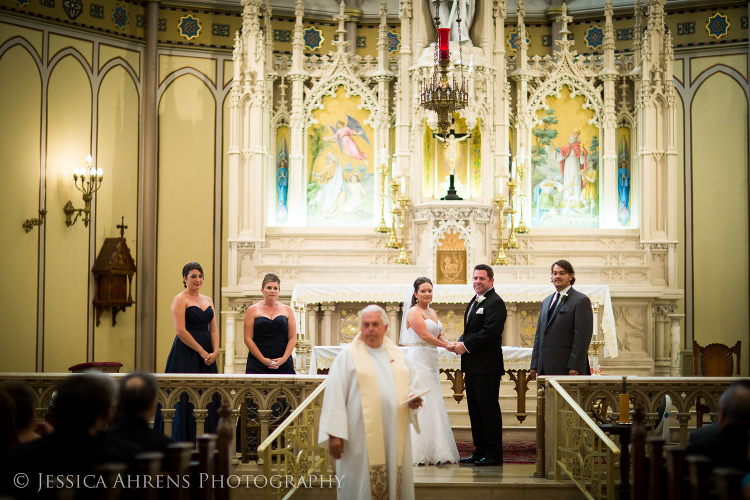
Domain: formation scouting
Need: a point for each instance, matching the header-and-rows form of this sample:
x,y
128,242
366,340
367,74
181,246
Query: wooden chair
x,y
716,361
657,479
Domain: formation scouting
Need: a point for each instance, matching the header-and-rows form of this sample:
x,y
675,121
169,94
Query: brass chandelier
x,y
436,93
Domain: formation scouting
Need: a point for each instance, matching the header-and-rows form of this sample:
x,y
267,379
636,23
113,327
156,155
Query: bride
x,y
424,335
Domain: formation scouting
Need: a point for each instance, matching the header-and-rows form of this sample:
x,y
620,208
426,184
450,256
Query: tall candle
x,y
403,184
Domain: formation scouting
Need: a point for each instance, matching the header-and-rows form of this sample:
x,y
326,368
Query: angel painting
x,y
343,133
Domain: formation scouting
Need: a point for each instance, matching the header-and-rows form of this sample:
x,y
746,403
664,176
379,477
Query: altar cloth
x,y
514,358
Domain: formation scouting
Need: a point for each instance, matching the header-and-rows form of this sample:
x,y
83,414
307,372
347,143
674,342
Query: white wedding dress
x,y
435,443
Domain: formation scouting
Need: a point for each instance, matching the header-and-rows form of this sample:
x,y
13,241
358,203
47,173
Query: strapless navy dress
x,y
271,336
183,359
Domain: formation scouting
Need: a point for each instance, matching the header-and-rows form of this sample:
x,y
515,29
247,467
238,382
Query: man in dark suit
x,y
564,329
481,352
137,409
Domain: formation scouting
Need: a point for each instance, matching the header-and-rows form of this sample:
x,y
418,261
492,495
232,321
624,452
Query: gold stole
x,y
371,412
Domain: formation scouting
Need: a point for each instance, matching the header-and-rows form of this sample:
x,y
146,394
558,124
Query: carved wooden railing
x,y
291,454
265,393
582,451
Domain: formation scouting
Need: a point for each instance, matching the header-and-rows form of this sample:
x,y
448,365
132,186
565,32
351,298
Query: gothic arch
x,y
578,86
329,86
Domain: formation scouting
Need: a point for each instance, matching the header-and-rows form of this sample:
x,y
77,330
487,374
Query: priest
x,y
365,416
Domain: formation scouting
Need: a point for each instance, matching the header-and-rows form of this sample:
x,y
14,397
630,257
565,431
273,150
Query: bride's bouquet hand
x,y
451,346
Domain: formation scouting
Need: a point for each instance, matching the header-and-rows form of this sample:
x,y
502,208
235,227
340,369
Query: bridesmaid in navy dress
x,y
270,332
195,347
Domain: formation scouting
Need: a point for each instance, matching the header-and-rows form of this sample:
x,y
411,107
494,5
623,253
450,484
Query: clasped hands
x,y
274,364
457,347
209,358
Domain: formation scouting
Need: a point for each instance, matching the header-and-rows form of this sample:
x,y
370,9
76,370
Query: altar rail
x,y
598,397
292,451
264,391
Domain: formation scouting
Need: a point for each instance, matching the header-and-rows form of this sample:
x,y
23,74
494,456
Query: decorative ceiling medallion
x,y
594,37
394,42
313,38
718,25
120,16
511,40
73,8
189,27
22,3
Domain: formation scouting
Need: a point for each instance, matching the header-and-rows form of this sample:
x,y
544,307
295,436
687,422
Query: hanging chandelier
x,y
437,93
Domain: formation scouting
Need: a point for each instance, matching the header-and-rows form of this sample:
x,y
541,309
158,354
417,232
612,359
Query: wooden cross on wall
x,y
122,227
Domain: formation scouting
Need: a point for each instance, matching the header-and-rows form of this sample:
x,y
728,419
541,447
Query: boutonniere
x,y
562,299
480,299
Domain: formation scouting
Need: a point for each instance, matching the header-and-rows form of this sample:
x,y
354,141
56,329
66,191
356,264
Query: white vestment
x,y
341,417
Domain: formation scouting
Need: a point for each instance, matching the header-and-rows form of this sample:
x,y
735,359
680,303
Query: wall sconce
x,y
29,224
91,181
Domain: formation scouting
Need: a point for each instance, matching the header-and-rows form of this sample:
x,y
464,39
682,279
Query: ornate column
x,y
394,326
662,341
297,74
522,76
327,328
264,417
145,334
234,416
200,421
230,334
312,324
674,369
168,416
383,76
512,332
501,102
403,88
609,75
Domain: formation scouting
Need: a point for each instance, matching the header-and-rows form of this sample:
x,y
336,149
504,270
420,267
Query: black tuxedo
x,y
482,366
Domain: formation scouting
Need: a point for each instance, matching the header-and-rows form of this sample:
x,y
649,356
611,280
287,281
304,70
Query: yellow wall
x,y
117,153
20,103
720,217
66,261
186,194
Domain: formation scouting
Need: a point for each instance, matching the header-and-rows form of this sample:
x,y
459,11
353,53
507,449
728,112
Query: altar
x,y
519,329
516,360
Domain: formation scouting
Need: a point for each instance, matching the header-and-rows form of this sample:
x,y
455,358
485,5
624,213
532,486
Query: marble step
x,y
444,482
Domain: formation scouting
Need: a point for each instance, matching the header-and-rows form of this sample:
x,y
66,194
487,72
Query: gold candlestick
x,y
501,259
393,239
403,258
512,243
382,228
522,228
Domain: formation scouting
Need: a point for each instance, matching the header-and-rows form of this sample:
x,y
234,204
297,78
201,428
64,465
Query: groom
x,y
481,353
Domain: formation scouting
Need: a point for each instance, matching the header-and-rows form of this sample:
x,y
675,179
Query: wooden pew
x,y
728,483
179,467
677,484
700,476
109,473
225,444
148,465
656,473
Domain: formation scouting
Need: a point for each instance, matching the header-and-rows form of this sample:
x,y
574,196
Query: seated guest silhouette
x,y
84,407
137,409
25,412
728,447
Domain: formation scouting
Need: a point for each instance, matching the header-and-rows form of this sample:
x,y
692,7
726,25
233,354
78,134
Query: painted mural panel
x,y
340,164
565,165
282,174
623,176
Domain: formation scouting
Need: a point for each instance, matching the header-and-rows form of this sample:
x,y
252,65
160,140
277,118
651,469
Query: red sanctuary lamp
x,y
440,92
443,43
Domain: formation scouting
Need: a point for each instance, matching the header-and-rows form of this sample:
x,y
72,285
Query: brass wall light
x,y
29,224
91,181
